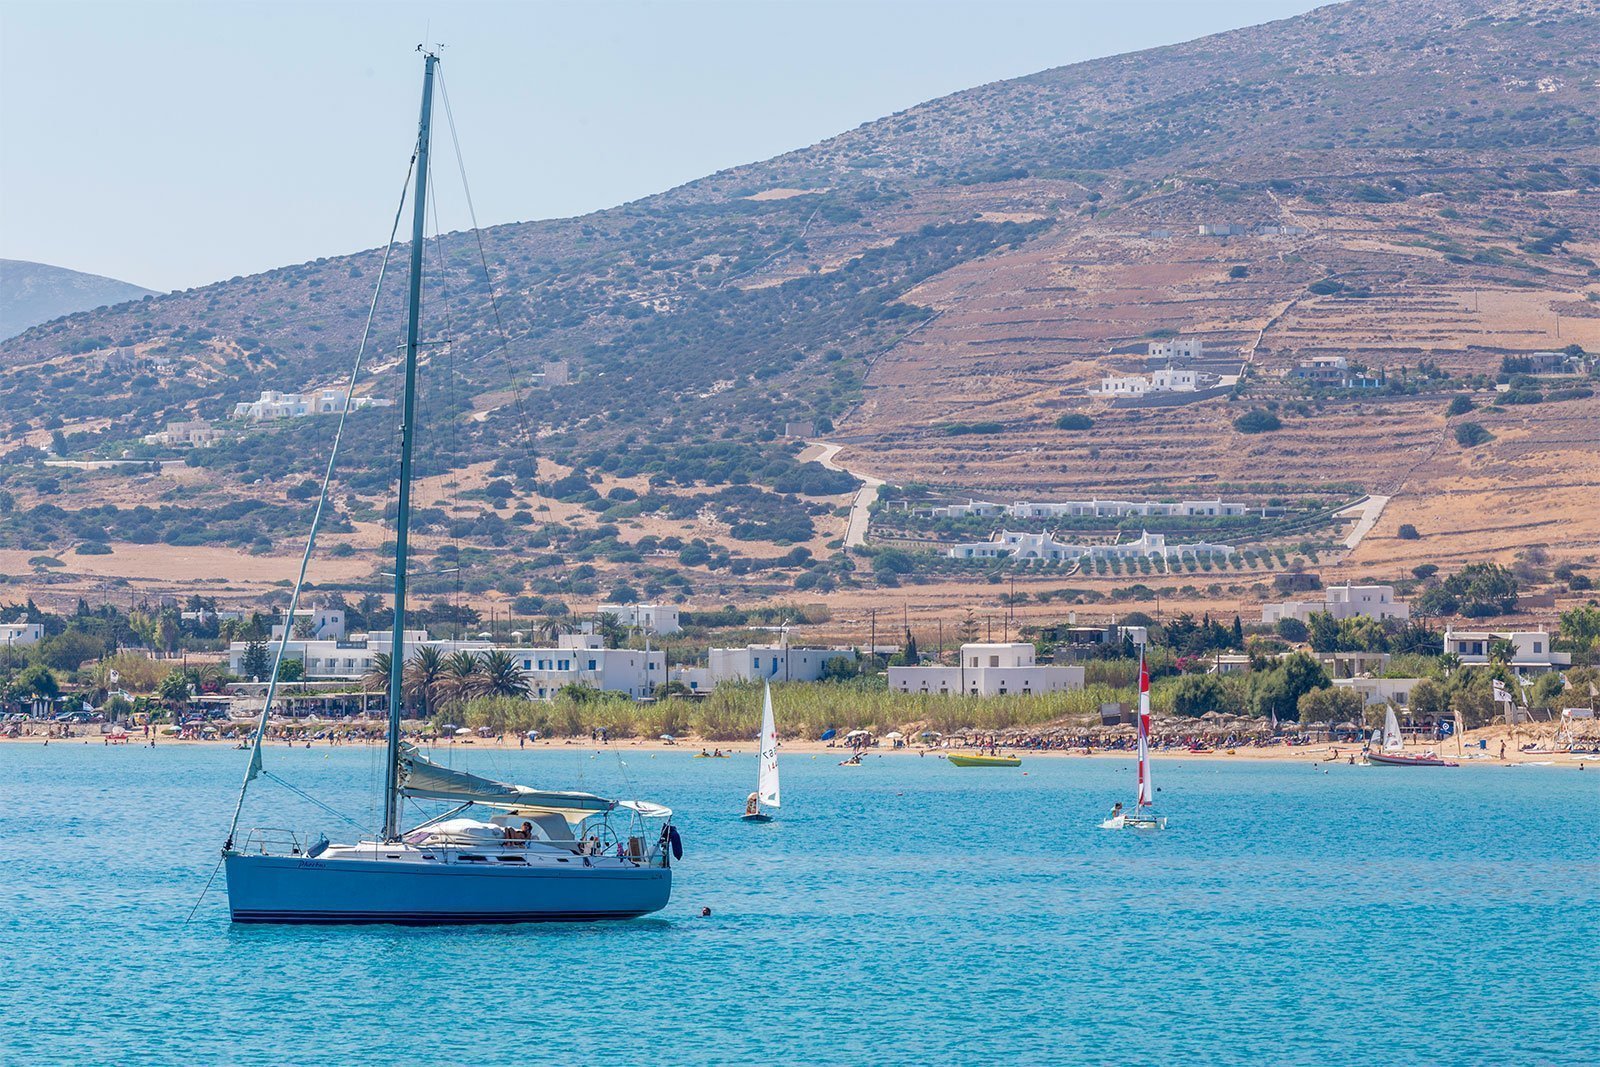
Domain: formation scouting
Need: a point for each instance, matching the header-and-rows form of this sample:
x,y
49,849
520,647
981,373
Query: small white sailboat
x,y
1143,815
767,776
1394,753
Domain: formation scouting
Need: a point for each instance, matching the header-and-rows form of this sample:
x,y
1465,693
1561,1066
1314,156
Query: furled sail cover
x,y
423,779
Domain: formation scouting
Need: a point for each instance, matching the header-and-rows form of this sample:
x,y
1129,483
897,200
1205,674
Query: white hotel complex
x,y
988,670
576,659
275,405
1098,509
1010,544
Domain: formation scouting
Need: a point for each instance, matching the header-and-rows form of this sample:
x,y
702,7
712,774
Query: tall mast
x,y
397,645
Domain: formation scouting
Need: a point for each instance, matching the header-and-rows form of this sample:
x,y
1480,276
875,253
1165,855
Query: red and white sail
x,y
1146,791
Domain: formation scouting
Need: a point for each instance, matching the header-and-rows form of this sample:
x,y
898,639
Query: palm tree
x,y
377,677
500,676
422,677
462,676
551,629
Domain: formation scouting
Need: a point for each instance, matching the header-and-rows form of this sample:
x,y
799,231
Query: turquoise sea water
x,y
902,912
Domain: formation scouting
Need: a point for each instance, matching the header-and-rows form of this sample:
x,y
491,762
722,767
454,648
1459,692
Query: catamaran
x,y
767,775
499,852
1394,753
1143,816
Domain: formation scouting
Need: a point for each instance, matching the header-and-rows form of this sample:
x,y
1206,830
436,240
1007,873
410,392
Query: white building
x,y
971,509
197,432
657,618
988,670
1121,508
1165,380
1179,348
1342,602
1533,653
1100,509
17,634
1010,544
325,623
760,662
275,405
1396,691
577,659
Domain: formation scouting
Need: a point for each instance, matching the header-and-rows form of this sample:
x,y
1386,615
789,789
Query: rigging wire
x,y
483,258
254,767
451,399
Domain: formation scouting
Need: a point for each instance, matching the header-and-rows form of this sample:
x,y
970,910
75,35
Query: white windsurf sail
x,y
767,781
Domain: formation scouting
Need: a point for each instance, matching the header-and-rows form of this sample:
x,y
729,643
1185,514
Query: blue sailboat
x,y
499,852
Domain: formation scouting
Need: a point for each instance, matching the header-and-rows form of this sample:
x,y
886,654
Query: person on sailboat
x,y
1116,809
752,804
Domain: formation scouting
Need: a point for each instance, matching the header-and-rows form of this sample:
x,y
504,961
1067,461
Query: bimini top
x,y
423,779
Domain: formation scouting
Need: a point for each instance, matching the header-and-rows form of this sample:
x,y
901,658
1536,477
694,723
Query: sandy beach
x,y
1468,753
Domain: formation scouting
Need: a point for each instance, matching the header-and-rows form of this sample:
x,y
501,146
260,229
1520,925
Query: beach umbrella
x,y
668,738
855,733
462,731
828,734
893,735
533,735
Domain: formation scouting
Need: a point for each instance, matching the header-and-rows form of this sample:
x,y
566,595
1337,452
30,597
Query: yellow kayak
x,y
984,761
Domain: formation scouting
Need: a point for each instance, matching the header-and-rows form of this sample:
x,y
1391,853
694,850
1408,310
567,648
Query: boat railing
x,y
272,839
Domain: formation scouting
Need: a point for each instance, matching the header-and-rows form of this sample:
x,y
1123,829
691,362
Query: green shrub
x,y
1257,420
1471,434
1074,421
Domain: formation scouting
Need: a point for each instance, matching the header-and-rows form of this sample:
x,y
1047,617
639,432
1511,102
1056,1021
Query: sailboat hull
x,y
1390,760
296,889
761,817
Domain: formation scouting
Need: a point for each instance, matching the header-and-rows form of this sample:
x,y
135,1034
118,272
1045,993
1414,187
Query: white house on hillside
x,y
988,669
17,634
1179,348
1342,602
1533,653
657,618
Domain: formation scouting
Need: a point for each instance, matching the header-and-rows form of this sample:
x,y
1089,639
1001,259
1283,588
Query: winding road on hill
x,y
855,531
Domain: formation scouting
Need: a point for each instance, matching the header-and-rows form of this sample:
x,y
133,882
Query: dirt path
x,y
855,531
1370,508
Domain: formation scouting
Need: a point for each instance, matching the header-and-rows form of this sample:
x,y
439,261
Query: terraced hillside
x,y
1417,186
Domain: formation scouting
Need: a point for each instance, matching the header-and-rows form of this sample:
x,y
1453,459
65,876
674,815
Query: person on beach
x,y
1502,749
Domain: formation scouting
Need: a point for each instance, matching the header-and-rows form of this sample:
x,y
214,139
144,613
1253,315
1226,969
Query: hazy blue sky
x,y
172,144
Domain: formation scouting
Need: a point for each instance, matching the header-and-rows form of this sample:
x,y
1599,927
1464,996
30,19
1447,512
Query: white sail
x,y
1147,793
767,781
1392,741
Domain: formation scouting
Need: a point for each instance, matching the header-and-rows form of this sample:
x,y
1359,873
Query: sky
x,y
173,144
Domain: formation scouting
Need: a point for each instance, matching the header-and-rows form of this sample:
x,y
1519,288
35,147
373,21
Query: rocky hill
x,y
31,293
1411,184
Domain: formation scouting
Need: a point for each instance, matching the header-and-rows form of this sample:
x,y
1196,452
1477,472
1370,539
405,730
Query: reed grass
x,y
732,711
